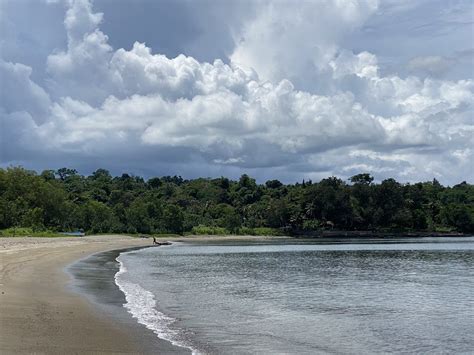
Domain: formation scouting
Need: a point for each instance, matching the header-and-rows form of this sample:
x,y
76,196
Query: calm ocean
x,y
306,297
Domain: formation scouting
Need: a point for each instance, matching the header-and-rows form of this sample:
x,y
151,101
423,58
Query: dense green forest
x,y
64,200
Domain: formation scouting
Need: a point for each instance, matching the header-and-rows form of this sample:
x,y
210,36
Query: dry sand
x,y
39,314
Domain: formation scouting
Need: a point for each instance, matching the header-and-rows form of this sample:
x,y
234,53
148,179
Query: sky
x,y
278,89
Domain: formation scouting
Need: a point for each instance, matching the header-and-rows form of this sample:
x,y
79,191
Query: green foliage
x,y
96,217
362,179
461,217
64,200
273,184
260,231
312,225
173,219
232,220
206,230
28,232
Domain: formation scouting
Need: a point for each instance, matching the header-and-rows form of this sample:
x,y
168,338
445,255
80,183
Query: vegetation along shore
x,y
63,200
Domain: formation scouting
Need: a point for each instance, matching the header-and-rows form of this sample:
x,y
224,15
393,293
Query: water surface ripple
x,y
311,298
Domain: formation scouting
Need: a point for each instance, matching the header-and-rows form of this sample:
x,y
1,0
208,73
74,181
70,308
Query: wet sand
x,y
39,313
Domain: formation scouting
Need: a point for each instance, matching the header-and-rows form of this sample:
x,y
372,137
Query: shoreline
x,y
44,310
375,234
94,277
40,313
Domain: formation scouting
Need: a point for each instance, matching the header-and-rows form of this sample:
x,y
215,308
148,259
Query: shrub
x,y
207,230
265,231
28,232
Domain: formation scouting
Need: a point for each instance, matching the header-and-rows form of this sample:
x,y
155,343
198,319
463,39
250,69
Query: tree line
x,y
64,200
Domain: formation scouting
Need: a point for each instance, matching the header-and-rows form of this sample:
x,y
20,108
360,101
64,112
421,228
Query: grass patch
x,y
205,230
197,230
265,231
441,229
137,235
260,231
28,232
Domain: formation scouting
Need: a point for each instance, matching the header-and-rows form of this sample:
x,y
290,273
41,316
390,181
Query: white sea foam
x,y
141,304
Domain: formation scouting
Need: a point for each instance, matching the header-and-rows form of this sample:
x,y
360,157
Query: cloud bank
x,y
289,102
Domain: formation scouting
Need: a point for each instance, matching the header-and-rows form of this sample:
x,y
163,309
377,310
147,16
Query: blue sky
x,y
276,89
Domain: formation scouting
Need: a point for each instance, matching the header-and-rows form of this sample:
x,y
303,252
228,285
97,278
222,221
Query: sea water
x,y
296,297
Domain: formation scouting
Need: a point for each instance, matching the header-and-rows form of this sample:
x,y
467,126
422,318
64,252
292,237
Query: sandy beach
x,y
39,314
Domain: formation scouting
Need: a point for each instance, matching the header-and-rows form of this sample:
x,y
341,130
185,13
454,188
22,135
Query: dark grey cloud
x,y
29,31
403,30
201,29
